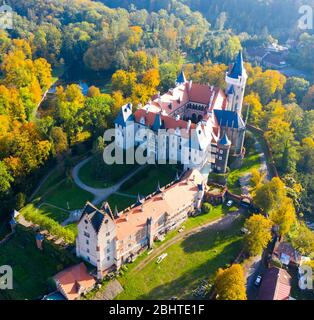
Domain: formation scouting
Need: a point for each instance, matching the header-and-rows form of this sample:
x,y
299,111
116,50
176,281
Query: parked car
x,y
229,203
258,281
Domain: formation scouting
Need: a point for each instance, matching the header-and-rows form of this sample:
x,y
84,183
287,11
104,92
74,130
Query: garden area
x,y
95,173
32,268
145,182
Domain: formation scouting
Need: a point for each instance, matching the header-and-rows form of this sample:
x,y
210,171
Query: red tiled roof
x,y
286,248
276,285
201,93
174,198
70,279
169,122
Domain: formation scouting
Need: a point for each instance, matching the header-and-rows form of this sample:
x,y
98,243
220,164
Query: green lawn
x,y
122,202
32,268
105,175
53,213
68,196
250,162
188,262
56,176
145,182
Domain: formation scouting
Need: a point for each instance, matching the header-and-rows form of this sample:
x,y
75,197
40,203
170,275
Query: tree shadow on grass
x,y
182,287
217,233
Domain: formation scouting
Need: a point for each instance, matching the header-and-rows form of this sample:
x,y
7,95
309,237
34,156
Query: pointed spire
x,y
224,141
158,190
238,67
139,201
181,78
116,212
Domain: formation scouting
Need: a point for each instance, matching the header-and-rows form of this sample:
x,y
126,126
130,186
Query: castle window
x,y
218,168
108,250
87,250
107,234
108,258
86,234
87,242
220,158
221,151
86,221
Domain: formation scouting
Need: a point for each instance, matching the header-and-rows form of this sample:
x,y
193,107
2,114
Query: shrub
x,y
207,207
51,225
20,200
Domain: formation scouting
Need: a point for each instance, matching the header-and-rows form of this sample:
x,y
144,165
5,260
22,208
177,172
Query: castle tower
x,y
223,150
236,81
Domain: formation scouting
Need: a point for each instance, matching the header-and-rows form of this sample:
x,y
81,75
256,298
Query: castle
x,y
204,123
197,118
108,239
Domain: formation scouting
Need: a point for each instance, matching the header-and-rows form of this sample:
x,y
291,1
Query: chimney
x,y
39,240
190,85
189,125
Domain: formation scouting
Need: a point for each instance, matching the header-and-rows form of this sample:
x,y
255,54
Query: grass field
x,y
108,177
122,202
32,268
68,196
55,177
188,262
145,182
51,212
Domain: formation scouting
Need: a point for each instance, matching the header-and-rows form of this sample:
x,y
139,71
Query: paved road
x,y
99,194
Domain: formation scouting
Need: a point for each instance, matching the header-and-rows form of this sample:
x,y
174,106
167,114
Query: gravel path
x,y
99,194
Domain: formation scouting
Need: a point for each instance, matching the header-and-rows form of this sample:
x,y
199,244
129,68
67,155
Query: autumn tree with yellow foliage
x,y
258,235
230,283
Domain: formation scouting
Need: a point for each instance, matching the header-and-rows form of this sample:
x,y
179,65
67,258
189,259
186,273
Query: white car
x,y
258,281
229,203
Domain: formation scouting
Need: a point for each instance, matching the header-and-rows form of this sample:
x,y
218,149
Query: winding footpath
x,y
99,194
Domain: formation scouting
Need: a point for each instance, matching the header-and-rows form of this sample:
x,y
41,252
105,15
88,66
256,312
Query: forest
x,y
141,46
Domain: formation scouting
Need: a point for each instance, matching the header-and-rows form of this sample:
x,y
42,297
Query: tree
x,y
93,92
284,217
270,195
306,162
253,103
308,100
268,83
5,178
257,179
258,235
60,141
298,86
303,240
230,283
